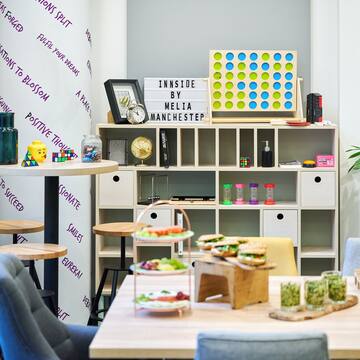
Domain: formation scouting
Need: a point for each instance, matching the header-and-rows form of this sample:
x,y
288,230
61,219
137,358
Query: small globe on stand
x,y
141,149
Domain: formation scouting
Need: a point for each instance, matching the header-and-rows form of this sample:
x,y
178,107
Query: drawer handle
x,y
116,178
317,179
153,215
280,216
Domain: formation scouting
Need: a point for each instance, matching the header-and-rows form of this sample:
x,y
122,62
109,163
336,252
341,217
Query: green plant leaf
x,y
354,155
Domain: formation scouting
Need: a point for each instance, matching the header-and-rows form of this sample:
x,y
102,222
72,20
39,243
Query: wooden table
x,y
16,227
122,335
51,172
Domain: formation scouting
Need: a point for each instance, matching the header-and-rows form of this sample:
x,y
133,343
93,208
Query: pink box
x,y
325,160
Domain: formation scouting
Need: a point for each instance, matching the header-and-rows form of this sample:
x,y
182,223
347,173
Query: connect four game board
x,y
253,80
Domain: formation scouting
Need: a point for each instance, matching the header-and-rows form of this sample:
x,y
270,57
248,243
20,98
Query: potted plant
x,y
355,154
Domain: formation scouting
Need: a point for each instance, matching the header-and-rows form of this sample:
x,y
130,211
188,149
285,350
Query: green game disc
x,y
217,66
265,76
229,85
277,66
276,105
241,66
217,104
229,75
241,95
265,85
217,56
240,104
229,95
241,75
276,95
289,66
217,85
265,56
217,76
228,104
253,76
217,95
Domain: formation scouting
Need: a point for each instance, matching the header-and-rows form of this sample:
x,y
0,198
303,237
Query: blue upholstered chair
x,y
352,256
257,346
28,330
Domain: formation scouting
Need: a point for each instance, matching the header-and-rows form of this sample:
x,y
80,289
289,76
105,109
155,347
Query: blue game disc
x,y
288,95
288,76
253,85
253,66
241,85
264,95
265,66
288,86
277,76
229,56
253,95
242,56
264,104
288,104
253,56
229,66
277,57
277,85
252,104
289,57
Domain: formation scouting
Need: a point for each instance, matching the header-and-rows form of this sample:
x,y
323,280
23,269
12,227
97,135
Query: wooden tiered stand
x,y
156,242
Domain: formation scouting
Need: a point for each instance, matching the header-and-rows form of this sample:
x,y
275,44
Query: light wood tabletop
x,y
20,226
124,335
31,251
68,168
118,228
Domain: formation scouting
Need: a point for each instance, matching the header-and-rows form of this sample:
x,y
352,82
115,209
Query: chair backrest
x,y
352,256
28,330
266,346
281,251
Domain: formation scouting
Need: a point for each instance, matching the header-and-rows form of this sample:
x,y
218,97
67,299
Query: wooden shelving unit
x,y
203,158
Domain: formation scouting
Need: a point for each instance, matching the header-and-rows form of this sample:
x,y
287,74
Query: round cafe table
x,y
51,172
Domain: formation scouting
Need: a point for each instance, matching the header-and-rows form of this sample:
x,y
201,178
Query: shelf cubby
x,y
314,267
262,136
171,135
239,222
207,145
187,145
247,144
227,147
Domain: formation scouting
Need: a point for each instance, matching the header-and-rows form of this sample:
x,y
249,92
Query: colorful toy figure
x,y
38,151
245,162
29,160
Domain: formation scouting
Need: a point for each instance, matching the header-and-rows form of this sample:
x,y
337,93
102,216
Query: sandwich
x,y
206,242
225,248
252,254
239,239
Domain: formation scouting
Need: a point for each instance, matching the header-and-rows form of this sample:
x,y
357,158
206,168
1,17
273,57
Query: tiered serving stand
x,y
139,241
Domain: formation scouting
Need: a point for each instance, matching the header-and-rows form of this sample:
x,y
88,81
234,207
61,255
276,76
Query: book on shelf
x,y
290,164
180,222
164,148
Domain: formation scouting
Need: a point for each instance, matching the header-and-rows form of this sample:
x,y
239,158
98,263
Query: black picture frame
x,y
129,87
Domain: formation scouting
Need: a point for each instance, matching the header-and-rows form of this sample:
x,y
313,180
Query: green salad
x,y
228,247
315,293
336,288
290,294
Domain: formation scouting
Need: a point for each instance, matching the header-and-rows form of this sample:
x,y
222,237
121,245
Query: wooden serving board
x,y
266,266
304,314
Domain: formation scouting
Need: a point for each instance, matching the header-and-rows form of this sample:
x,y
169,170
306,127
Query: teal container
x,y
8,140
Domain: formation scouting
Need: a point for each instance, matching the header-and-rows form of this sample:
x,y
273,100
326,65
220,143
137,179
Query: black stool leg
x,y
122,254
34,274
14,238
95,305
114,285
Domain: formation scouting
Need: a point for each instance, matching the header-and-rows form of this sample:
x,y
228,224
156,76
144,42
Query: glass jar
x,y
336,286
269,196
227,194
290,296
253,193
91,148
8,140
240,200
315,294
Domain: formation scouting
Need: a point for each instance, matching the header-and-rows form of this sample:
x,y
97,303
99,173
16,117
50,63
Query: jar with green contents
x,y
336,286
227,194
315,294
290,296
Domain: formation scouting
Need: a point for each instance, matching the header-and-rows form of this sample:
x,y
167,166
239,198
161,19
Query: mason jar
x,y
91,148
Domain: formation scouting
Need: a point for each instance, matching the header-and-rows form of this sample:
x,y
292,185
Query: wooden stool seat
x,y
32,251
20,226
117,228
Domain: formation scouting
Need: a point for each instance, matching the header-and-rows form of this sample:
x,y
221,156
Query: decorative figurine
x,y
38,151
29,161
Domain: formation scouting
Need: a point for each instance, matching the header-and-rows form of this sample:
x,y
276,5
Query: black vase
x,y
8,140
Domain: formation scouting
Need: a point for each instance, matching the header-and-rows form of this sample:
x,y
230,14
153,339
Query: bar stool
x,y
119,229
16,227
32,252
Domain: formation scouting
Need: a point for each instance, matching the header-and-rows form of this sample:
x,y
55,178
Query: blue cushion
x,y
352,256
215,345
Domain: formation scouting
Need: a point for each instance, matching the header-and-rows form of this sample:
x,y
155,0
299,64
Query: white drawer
x,y
318,189
156,217
116,189
281,223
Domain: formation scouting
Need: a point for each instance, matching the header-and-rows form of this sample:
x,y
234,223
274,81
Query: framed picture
x,y
118,151
118,89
